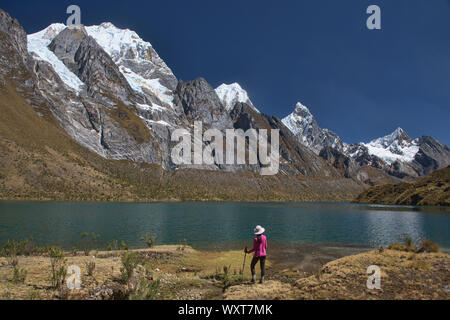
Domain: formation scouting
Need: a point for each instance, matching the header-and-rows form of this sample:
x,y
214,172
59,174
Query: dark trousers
x,y
262,262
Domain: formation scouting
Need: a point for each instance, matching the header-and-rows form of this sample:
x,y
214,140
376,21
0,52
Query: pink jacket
x,y
259,248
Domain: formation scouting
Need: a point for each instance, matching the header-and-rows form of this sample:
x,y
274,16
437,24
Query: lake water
x,y
223,225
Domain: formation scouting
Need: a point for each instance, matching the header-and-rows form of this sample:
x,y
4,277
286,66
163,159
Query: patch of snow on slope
x,y
38,46
139,84
230,94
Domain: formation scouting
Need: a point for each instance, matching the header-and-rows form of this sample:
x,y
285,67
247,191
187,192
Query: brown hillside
x,y
39,161
433,190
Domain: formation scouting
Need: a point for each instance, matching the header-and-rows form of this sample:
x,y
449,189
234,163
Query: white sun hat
x,y
259,230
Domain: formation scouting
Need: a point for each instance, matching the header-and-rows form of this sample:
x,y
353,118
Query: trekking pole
x,y
243,266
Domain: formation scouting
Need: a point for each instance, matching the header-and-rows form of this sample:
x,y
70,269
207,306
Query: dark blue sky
x,y
359,83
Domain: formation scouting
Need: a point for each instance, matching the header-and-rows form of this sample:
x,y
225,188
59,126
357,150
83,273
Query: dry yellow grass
x,y
185,273
404,275
270,290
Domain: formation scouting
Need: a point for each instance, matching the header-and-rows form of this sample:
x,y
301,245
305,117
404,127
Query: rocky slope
x,y
433,190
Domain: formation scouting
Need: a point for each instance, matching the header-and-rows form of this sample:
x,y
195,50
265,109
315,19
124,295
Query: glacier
x,y
38,46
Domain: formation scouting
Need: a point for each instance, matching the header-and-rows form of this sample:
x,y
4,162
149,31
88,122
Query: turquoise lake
x,y
223,225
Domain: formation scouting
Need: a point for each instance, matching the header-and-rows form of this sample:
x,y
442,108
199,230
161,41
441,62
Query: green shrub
x,y
429,246
124,245
149,239
113,245
89,243
19,275
146,290
58,266
90,267
9,251
408,241
129,263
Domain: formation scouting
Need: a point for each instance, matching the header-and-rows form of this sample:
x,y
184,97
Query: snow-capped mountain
x,y
144,70
305,128
112,93
397,154
397,146
230,94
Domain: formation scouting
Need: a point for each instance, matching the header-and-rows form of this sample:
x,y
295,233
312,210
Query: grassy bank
x,y
180,272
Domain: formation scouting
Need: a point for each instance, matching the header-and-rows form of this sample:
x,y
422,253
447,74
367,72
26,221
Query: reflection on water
x,y
217,225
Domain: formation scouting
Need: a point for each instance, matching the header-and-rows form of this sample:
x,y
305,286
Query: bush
x,y
129,262
58,266
90,267
429,246
89,243
408,241
146,290
19,275
124,246
149,239
9,251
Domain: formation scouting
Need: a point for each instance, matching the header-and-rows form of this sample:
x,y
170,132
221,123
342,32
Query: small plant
x,y
146,290
89,243
90,267
33,295
129,263
380,249
408,241
149,239
113,245
58,266
19,275
124,245
429,246
226,276
9,251
74,251
26,247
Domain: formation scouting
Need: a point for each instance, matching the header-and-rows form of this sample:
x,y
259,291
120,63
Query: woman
x,y
260,249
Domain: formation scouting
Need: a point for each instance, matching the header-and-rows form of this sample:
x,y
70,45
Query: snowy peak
x,y
300,121
399,135
141,65
230,94
302,110
305,128
119,43
397,146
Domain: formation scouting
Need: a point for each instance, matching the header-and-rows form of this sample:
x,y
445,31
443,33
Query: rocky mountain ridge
x,y
396,154
113,94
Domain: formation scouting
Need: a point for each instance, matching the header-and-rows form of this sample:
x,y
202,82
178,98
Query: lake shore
x,y
181,272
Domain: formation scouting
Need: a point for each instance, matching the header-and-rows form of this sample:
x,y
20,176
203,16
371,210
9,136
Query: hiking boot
x,y
262,280
253,279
